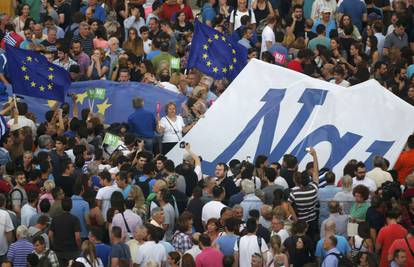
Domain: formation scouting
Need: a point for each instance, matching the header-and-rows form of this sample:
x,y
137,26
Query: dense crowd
x,y
68,199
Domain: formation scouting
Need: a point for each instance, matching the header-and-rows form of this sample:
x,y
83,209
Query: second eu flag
x,y
32,75
215,54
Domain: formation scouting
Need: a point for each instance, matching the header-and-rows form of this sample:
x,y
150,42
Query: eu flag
x,y
32,75
215,54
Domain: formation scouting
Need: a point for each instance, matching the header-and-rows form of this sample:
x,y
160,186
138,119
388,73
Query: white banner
x,y
273,111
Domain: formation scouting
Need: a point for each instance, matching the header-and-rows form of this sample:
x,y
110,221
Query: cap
x,y
171,180
326,10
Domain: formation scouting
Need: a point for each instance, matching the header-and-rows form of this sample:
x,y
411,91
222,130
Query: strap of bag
x,y
126,224
409,247
175,131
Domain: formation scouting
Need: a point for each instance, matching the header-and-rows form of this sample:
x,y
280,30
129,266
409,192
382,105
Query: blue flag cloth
x,y
114,100
215,54
32,75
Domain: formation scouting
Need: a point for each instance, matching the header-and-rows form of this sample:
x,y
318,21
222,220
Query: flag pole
x,y
15,101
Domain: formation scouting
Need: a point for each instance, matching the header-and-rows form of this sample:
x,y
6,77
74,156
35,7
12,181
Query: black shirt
x,y
65,10
288,175
229,187
195,207
64,227
66,183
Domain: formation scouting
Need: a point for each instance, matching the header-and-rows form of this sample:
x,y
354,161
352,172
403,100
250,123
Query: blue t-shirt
x,y
342,246
99,13
226,244
103,251
329,27
355,9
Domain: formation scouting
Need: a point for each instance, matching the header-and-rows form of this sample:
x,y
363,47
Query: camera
x,y
182,144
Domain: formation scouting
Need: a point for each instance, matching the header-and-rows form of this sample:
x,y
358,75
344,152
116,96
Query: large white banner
x,y
273,111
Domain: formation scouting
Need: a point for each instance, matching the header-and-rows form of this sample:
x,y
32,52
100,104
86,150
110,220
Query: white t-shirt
x,y
268,35
283,234
344,83
6,226
236,19
86,263
147,46
171,128
248,246
282,182
104,194
366,181
211,209
151,251
26,213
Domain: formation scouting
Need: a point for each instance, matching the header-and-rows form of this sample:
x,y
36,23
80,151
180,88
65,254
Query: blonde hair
x,y
276,244
88,249
49,186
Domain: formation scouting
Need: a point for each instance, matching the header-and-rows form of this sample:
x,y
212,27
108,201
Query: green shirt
x,y
359,211
34,9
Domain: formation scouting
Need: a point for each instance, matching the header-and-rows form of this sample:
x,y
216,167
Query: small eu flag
x,y
215,54
32,75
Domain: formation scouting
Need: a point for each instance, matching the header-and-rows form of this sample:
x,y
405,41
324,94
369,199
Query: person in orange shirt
x,y
405,163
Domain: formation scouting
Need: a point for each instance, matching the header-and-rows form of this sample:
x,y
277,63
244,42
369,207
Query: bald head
x,y
330,227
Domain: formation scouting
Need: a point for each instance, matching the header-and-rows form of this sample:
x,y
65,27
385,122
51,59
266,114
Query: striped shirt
x,y
305,201
87,43
18,252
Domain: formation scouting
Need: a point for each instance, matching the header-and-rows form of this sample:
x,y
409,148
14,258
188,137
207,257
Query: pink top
x,y
100,43
209,257
47,196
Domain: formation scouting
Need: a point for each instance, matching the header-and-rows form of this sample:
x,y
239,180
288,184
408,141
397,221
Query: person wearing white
x,y
171,127
377,173
268,35
238,13
135,20
319,5
213,208
345,197
248,245
88,256
104,194
28,210
151,250
360,178
6,228
278,228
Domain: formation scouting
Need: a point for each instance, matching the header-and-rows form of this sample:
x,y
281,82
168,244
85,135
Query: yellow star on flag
x,y
51,69
51,76
42,88
29,58
51,103
102,107
50,86
209,40
231,67
81,97
208,63
233,51
215,69
205,56
24,68
26,77
234,60
216,36
205,47
224,70
223,38
33,84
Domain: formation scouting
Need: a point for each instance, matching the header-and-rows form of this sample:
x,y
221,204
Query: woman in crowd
x,y
133,43
20,21
89,258
99,67
181,239
360,206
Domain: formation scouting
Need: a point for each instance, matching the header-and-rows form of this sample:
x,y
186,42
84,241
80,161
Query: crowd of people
x,y
67,199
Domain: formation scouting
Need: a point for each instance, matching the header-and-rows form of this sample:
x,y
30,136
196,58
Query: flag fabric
x,y
215,54
32,75
3,126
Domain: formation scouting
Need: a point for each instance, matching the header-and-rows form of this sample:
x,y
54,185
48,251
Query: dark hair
x,y
260,159
148,168
105,175
333,240
175,256
66,204
205,240
44,205
96,232
254,213
279,36
116,231
270,174
217,191
410,140
290,160
320,29
32,196
393,214
231,224
251,225
330,177
299,227
360,164
362,190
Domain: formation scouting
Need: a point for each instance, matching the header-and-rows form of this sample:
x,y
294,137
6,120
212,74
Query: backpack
x,y
144,186
44,260
31,237
20,193
391,190
259,242
234,15
343,261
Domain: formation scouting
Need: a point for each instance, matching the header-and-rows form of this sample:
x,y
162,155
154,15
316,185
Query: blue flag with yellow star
x,y
32,75
215,54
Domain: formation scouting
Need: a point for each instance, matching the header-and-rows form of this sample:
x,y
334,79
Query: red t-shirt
x,y
209,257
4,186
169,10
387,235
295,65
404,165
402,244
32,187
